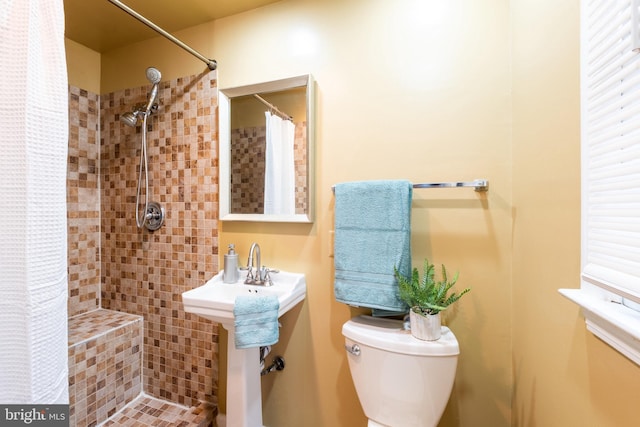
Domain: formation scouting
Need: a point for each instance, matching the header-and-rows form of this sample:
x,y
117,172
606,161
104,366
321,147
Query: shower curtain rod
x,y
273,107
211,63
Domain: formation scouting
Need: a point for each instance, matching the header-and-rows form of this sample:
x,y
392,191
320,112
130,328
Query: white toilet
x,y
401,381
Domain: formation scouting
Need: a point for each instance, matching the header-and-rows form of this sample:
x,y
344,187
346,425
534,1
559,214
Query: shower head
x,y
130,119
153,75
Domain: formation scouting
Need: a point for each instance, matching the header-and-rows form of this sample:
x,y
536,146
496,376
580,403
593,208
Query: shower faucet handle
x,y
154,217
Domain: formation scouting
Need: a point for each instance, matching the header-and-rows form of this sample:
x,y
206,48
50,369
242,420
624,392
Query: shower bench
x,y
105,364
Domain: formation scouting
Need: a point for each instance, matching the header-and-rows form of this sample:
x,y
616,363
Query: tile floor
x,y
147,411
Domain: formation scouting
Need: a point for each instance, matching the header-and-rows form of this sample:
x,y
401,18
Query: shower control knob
x,y
154,217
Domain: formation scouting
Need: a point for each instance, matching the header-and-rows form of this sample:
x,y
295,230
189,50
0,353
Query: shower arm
x,y
211,63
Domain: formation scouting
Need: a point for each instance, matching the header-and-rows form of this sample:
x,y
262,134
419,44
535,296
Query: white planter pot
x,y
426,328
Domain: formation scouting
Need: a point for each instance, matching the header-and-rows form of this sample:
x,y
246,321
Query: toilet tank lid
x,y
388,334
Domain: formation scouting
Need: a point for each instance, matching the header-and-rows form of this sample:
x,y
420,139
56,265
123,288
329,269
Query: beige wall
x,y
563,375
83,66
429,90
398,97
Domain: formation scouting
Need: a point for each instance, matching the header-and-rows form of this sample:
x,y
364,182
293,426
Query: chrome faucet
x,y
261,276
251,279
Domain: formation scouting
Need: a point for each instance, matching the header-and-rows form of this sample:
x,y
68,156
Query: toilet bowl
x,y
401,381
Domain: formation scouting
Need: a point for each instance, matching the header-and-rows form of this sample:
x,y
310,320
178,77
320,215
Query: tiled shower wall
x,y
146,272
140,272
248,168
83,202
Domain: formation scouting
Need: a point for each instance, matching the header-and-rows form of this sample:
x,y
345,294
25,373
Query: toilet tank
x,y
401,381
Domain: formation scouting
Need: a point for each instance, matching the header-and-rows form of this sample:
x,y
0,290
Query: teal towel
x,y
256,320
372,235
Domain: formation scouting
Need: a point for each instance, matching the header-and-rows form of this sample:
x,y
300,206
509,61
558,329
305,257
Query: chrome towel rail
x,y
478,185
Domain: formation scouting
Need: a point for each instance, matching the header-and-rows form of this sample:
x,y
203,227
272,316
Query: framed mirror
x,y
266,151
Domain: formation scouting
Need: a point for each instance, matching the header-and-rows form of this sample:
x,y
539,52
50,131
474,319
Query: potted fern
x,y
426,299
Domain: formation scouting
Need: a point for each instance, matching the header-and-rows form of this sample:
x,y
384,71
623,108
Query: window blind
x,y
611,147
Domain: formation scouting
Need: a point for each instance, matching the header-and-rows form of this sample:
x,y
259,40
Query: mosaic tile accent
x,y
146,272
146,411
300,160
105,362
248,169
83,202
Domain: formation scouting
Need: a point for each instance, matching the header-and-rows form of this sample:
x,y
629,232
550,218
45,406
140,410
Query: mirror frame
x,y
224,111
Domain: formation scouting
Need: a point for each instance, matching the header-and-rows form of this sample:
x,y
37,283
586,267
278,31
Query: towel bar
x,y
478,184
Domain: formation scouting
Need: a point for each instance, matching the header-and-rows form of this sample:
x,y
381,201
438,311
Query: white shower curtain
x,y
279,180
33,228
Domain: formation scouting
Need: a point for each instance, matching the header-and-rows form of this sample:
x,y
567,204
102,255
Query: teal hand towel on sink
x,y
372,235
256,320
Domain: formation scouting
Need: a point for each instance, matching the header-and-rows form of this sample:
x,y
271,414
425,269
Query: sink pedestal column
x,y
244,393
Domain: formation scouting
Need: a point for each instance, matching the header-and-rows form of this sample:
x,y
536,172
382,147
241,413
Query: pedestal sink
x,y
215,301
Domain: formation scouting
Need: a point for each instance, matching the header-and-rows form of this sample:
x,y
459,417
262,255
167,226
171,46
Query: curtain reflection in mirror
x,y
248,152
279,181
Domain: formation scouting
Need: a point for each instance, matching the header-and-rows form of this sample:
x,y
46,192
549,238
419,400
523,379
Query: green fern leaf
x,y
428,295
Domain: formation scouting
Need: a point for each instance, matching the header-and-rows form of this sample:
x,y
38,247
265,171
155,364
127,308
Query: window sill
x,y
612,322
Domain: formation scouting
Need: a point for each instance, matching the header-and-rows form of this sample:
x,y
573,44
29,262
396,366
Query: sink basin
x,y
215,299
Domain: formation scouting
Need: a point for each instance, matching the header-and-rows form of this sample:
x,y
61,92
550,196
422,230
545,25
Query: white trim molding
x,y
609,320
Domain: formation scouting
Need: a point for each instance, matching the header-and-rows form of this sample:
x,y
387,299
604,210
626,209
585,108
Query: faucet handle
x,y
250,280
266,275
